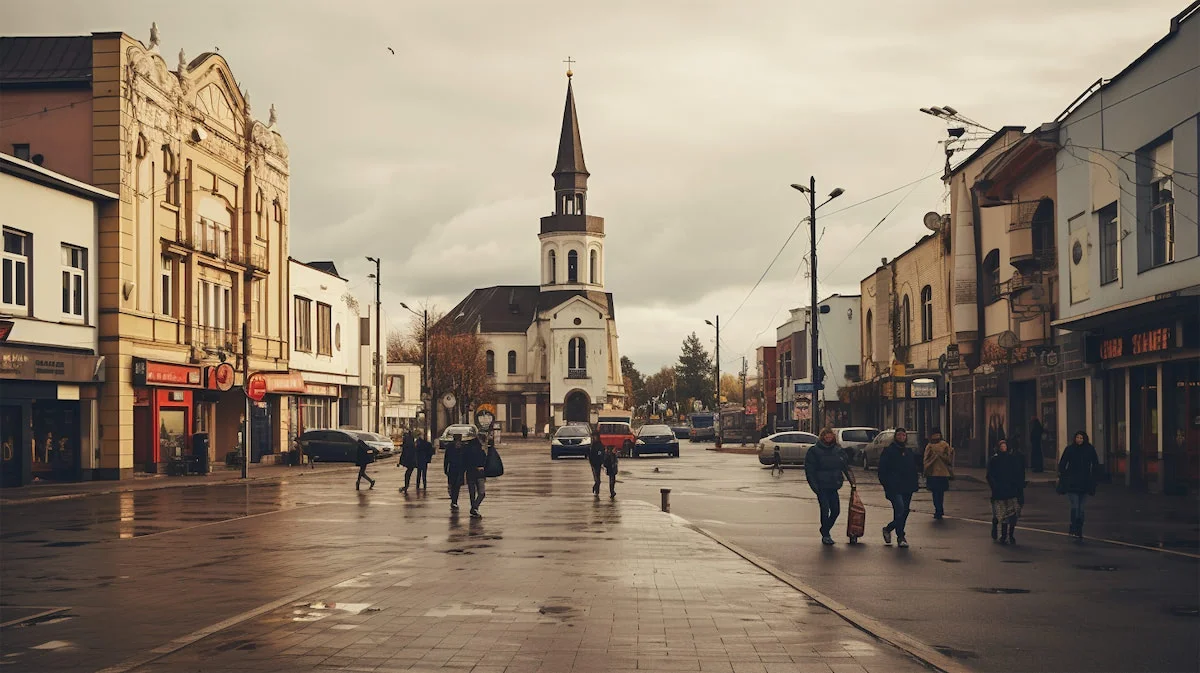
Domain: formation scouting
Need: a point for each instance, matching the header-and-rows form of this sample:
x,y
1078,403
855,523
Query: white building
x,y
839,349
324,348
49,364
1129,247
402,398
552,348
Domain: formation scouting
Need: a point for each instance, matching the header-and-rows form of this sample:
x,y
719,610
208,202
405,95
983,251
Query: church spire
x,y
570,172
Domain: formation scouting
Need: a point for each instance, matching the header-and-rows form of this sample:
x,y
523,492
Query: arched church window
x,y
551,268
576,358
512,362
573,267
594,267
491,362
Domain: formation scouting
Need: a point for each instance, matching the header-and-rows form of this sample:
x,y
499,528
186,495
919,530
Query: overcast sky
x,y
695,117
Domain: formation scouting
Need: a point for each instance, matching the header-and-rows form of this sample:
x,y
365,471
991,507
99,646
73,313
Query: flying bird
x,y
392,50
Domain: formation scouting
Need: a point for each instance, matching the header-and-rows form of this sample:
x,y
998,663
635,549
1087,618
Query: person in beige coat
x,y
939,470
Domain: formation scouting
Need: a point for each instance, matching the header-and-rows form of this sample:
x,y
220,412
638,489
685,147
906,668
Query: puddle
x,y
69,544
950,560
457,552
1099,568
955,653
1015,561
1000,590
1185,610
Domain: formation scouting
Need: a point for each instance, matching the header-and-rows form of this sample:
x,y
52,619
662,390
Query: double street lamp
x,y
426,392
718,358
817,378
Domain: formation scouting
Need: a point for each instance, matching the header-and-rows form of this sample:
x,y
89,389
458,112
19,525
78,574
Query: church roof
x,y
570,147
513,308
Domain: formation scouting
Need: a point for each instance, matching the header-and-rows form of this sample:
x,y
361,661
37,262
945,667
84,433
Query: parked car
x,y
384,447
334,446
467,430
618,435
570,440
703,425
656,439
870,454
681,431
792,447
854,440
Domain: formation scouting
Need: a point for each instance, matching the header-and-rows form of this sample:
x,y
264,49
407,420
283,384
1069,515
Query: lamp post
x,y
717,325
426,396
810,193
378,323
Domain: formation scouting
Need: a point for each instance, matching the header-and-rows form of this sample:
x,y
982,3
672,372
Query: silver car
x,y
792,447
854,442
870,455
467,430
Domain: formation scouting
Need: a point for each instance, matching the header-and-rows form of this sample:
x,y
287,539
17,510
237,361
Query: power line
x,y
1130,96
768,269
868,234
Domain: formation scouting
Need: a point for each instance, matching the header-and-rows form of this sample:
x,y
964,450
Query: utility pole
x,y
718,326
246,379
814,352
743,423
378,330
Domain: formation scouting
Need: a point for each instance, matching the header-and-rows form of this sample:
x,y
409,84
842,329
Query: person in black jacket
x,y
1077,478
596,460
363,458
899,477
408,460
424,458
824,466
475,458
454,464
1006,477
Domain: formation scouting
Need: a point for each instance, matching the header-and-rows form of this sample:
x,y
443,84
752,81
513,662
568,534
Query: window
x,y
167,285
324,329
1109,252
594,267
260,214
869,346
551,268
171,173
576,357
278,208
991,276
258,306
74,293
512,362
572,267
214,313
491,362
1162,222
303,324
927,313
905,332
14,293
214,237
21,151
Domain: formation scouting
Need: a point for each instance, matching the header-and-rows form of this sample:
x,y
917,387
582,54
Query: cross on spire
x,y
569,62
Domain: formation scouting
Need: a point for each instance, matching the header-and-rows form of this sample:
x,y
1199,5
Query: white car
x,y
854,441
792,447
468,431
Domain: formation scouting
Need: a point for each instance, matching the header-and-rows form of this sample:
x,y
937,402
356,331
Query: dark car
x,y
570,440
681,431
333,446
383,446
656,439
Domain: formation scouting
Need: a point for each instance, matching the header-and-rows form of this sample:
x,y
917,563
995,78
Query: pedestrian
x,y
611,463
1006,477
596,460
409,461
1036,432
825,466
363,458
939,470
475,459
898,475
524,432
454,464
776,461
424,458
1077,478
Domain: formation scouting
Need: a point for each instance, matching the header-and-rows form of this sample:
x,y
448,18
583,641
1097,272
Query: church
x,y
552,347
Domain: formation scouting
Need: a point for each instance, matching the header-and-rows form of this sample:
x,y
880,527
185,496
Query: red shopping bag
x,y
856,519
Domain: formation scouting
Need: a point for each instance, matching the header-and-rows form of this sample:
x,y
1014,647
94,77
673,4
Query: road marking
x,y
1093,539
21,620
217,523
181,642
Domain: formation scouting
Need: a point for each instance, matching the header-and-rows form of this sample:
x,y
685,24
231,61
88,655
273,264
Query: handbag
x,y
494,466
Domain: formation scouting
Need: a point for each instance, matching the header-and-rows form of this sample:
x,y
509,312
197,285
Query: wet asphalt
x,y
124,573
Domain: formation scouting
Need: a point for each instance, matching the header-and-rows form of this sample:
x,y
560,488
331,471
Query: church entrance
x,y
577,407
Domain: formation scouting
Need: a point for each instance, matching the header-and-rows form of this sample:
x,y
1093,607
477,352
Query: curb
x,y
906,643
745,451
17,502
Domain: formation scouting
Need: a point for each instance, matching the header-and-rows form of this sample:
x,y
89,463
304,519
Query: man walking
x,y
454,464
825,466
596,460
424,458
408,460
364,457
475,459
898,475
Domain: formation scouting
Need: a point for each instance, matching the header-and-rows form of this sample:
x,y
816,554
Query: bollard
x,y
666,499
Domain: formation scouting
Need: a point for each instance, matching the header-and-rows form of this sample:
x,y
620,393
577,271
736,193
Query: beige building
x,y
193,257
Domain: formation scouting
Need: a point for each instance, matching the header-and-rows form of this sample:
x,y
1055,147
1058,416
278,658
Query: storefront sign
x,y
1139,343
147,373
220,377
321,390
35,365
281,382
924,389
256,387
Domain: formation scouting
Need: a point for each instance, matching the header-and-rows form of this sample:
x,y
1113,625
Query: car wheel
x,y
553,456
675,454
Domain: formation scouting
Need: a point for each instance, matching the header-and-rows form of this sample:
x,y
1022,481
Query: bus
x,y
737,426
703,424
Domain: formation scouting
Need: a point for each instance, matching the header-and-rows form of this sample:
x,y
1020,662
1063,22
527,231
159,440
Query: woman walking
x,y
939,470
824,467
1077,478
596,460
424,458
1006,477
408,460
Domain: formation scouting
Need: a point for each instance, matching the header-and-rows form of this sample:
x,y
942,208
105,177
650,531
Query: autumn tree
x,y
731,388
694,372
635,385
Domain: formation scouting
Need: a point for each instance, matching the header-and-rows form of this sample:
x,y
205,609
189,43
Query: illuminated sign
x,y
1150,341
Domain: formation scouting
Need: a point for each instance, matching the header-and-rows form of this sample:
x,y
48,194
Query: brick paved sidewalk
x,y
558,583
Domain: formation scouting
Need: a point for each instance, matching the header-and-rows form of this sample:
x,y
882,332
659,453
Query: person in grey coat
x,y
825,466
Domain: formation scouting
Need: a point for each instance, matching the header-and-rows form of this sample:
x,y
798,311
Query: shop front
x,y
168,400
315,407
48,414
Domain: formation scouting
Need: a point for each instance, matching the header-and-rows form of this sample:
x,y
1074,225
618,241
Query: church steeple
x,y
570,172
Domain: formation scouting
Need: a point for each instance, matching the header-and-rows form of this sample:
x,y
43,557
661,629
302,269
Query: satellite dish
x,y
933,221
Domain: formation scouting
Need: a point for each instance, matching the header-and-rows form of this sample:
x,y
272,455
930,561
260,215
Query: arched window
x,y
572,267
551,268
594,267
491,362
512,362
905,322
991,276
869,346
927,313
576,358
1043,234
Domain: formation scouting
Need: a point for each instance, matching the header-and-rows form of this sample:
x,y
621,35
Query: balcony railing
x,y
258,260
216,338
576,373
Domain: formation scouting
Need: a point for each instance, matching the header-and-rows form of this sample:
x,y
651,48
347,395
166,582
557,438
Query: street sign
x,y
484,419
809,387
802,410
256,387
448,400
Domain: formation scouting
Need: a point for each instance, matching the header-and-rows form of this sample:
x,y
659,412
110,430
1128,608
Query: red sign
x,y
1150,341
146,373
5,329
220,377
256,387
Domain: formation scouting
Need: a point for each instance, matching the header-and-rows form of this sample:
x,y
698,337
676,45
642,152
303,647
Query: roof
x,y
987,144
43,176
28,61
513,308
326,267
570,147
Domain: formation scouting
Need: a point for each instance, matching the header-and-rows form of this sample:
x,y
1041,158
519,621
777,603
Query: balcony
x,y
576,373
215,338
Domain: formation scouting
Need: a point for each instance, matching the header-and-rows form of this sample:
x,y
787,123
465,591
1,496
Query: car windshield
x,y
615,429
652,430
702,421
464,430
365,436
858,435
572,431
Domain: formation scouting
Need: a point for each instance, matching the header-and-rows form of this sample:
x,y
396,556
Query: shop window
x,y
324,329
1109,238
14,285
927,313
512,362
74,282
303,336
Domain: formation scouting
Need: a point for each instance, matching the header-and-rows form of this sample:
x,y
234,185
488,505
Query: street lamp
x,y
718,358
810,193
378,323
426,394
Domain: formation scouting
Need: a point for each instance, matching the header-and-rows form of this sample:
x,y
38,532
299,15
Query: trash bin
x,y
200,451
